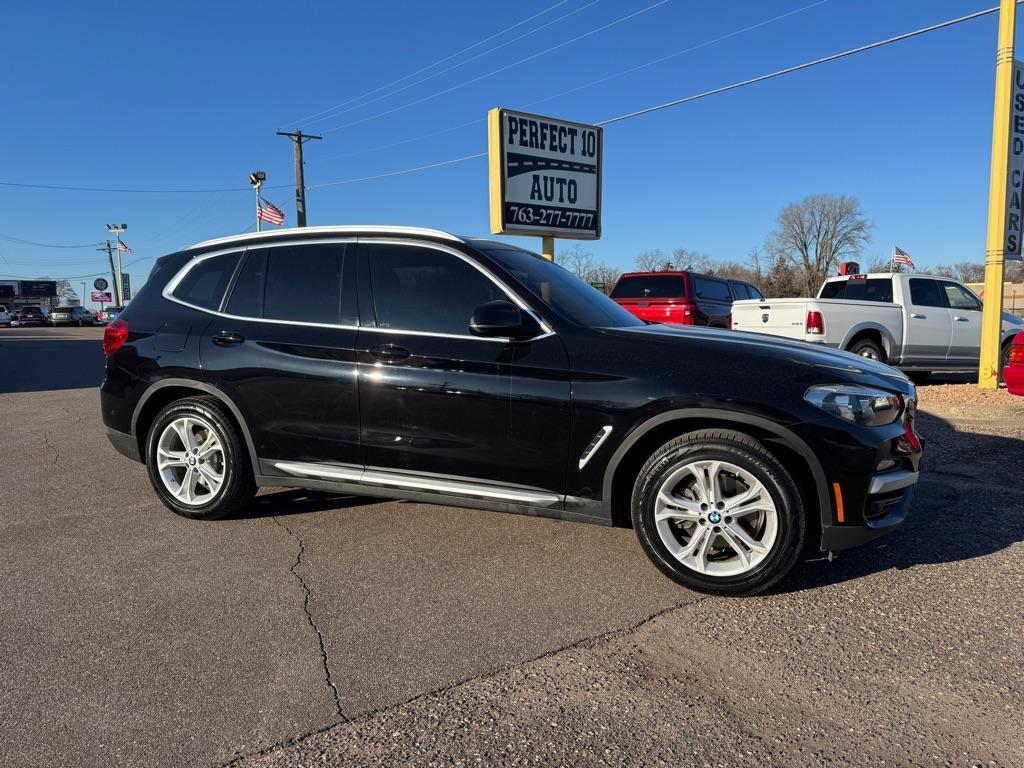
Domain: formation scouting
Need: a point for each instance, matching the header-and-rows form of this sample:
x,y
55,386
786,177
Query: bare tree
x,y
817,233
603,276
576,259
651,261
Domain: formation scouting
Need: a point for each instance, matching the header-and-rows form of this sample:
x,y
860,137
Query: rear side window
x,y
205,283
246,298
711,289
427,290
303,283
740,292
650,287
925,293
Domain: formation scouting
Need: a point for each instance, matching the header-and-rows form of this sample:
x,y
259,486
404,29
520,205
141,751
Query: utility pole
x,y
995,250
113,273
299,138
116,231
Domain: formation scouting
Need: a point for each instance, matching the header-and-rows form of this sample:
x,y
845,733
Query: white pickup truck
x,y
917,323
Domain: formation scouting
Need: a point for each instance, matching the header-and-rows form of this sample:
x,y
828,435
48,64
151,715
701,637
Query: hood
x,y
1012,319
754,349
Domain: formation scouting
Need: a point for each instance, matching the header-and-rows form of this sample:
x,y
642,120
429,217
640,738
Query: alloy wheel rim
x,y
190,461
716,518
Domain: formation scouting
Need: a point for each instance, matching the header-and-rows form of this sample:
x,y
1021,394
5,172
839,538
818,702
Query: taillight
x,y
114,337
815,322
1016,358
687,314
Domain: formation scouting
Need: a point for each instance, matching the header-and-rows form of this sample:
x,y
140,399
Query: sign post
x,y
1004,222
545,177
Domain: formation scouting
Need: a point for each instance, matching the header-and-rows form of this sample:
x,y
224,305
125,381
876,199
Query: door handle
x,y
227,338
916,316
961,319
389,353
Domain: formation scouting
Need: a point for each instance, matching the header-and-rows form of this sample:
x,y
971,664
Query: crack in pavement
x,y
312,623
585,642
56,454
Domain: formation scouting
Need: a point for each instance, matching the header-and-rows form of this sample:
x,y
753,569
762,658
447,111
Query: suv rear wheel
x,y
717,512
197,462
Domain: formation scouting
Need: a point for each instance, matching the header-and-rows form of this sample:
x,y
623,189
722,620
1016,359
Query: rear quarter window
x,y
204,284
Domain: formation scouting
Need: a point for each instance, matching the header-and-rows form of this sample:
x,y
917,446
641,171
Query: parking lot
x,y
353,631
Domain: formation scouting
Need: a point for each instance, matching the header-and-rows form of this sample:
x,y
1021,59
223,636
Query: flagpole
x,y
258,220
892,258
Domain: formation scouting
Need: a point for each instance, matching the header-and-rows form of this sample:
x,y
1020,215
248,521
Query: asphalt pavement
x,y
320,629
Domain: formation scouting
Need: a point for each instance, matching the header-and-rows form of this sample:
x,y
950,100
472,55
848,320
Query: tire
x,y
868,348
199,496
1004,359
775,522
919,377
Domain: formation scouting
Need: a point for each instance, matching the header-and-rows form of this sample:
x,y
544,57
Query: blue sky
x,y
151,96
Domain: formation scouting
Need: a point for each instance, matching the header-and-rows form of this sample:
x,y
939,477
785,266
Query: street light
x,y
116,231
256,178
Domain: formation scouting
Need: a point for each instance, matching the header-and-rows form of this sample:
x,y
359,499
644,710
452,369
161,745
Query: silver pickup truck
x,y
917,323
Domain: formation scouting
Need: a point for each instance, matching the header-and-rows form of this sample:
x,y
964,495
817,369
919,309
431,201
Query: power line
x,y
684,51
722,89
489,51
315,117
399,173
798,67
45,245
499,70
132,191
592,83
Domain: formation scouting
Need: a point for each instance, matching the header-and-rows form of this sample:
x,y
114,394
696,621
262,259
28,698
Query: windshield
x,y
565,293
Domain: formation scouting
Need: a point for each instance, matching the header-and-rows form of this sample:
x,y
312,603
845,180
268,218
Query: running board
x,y
439,485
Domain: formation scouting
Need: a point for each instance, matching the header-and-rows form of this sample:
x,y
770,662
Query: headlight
x,y
866,406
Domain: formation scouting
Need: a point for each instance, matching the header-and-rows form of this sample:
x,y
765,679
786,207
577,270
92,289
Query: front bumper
x,y
885,510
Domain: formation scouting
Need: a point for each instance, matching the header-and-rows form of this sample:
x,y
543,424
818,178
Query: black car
x,y
408,363
30,314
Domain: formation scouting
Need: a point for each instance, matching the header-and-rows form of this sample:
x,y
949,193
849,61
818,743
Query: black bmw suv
x,y
410,363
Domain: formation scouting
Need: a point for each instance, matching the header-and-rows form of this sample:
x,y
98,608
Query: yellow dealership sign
x,y
545,176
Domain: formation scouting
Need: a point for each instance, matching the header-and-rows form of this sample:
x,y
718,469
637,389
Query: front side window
x,y
303,283
925,293
754,293
426,290
204,284
960,298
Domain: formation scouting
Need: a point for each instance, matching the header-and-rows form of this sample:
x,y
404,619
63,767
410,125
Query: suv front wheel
x,y
197,462
717,512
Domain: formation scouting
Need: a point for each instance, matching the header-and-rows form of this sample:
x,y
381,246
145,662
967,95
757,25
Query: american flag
x,y
268,212
122,247
899,256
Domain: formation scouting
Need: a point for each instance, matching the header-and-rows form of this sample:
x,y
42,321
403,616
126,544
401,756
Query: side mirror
x,y
503,318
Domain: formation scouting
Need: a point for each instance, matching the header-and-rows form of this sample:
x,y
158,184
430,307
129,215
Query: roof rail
x,y
338,229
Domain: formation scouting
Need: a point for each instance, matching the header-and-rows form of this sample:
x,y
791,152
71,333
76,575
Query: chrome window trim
x,y
509,293
168,291
172,284
341,229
